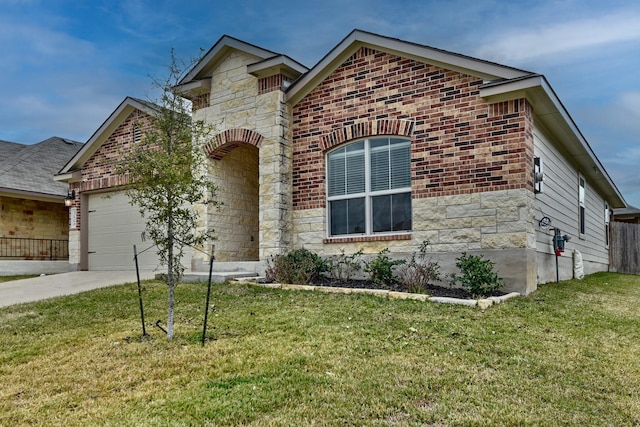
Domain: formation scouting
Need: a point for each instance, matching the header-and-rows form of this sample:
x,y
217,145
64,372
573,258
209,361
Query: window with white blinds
x,y
369,187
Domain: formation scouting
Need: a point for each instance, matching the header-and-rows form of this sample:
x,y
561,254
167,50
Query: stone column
x,y
275,175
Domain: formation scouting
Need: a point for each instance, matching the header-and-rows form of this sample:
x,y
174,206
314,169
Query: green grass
x,y
566,355
10,278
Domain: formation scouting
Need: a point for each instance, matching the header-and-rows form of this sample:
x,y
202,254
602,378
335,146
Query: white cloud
x,y
630,102
556,39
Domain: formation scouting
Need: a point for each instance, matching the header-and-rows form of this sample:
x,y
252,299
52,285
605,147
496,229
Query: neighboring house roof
x,y
628,212
26,171
70,171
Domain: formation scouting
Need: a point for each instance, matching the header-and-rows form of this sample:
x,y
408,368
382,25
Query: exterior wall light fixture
x,y
70,198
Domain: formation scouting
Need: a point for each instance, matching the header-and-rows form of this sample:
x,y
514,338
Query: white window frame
x,y
368,194
607,220
582,206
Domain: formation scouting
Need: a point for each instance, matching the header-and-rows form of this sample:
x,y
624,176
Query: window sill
x,y
377,238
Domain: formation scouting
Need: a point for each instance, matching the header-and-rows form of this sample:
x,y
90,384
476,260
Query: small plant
x,y
477,275
342,267
380,268
417,274
299,267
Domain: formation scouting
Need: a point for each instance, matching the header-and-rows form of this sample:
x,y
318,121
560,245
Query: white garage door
x,y
114,227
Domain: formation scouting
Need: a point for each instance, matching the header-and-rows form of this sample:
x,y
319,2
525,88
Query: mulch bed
x,y
432,290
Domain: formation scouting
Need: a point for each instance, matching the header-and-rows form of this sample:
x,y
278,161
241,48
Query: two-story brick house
x,y
386,143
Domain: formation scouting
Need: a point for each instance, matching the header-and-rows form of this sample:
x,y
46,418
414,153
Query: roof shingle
x,y
31,167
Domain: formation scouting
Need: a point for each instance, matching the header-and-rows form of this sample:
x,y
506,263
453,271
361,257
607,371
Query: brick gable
x,y
460,144
99,171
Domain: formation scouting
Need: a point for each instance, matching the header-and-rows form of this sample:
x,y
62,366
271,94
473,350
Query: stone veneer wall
x,y
33,219
237,106
236,176
497,224
492,220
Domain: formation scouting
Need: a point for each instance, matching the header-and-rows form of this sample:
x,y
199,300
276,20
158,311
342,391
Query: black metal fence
x,y
18,248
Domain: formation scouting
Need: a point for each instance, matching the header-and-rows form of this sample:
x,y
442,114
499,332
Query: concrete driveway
x,y
43,287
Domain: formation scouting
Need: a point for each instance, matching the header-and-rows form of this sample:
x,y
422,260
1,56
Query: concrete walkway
x,y
43,287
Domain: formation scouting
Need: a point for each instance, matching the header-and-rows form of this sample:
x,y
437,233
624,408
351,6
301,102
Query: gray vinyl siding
x,y
559,201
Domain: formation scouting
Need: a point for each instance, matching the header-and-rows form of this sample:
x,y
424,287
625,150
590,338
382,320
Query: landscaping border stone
x,y
482,303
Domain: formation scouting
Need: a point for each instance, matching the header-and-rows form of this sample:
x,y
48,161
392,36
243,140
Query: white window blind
x,y
369,187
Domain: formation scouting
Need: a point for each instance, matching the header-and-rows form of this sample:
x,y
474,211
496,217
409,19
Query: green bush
x,y
299,267
477,275
342,267
380,268
419,272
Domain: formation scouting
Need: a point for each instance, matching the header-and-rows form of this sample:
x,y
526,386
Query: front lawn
x,y
566,355
20,277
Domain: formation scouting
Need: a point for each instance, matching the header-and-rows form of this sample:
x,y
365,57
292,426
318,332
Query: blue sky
x,y
66,65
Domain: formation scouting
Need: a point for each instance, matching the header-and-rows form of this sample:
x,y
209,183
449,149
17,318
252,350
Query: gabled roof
x,y
268,63
357,39
27,171
277,64
501,83
218,51
126,107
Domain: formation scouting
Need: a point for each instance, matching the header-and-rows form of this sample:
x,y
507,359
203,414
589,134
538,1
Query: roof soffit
x,y
357,39
279,64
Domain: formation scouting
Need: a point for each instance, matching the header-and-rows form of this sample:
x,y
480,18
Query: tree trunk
x,y
170,280
170,313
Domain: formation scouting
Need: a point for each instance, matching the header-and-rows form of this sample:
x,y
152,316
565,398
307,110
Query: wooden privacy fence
x,y
624,247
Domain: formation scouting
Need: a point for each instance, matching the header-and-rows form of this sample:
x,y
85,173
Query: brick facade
x,y
99,172
470,123
271,83
460,144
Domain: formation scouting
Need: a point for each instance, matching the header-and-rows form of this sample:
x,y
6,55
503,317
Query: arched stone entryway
x,y
234,169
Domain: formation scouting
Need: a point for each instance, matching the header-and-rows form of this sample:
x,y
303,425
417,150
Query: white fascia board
x,y
443,58
74,176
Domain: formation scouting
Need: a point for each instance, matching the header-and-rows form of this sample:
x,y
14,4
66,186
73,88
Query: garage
x,y
114,227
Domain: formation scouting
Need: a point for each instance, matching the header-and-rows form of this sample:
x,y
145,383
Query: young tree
x,y
166,173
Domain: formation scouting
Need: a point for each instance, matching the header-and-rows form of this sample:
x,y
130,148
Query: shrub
x,y
477,275
299,267
380,268
417,274
342,267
